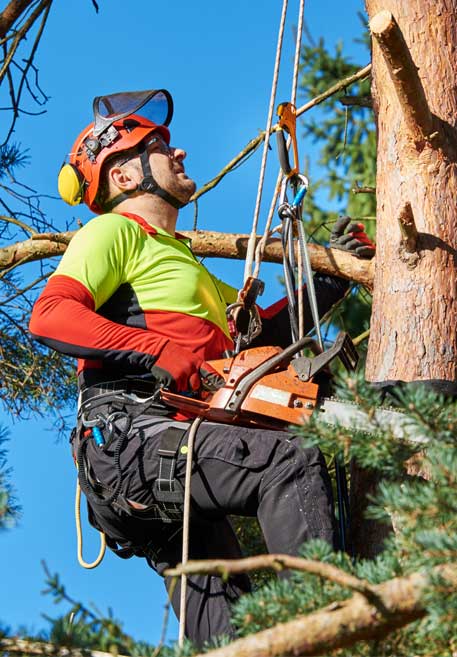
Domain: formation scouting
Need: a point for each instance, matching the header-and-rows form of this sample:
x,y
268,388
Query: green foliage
x,y
82,627
34,379
9,510
12,157
425,515
345,134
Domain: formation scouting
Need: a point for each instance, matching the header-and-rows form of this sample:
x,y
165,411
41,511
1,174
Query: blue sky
x,y
217,60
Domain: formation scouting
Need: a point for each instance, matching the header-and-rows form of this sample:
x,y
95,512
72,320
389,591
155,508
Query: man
x,y
132,302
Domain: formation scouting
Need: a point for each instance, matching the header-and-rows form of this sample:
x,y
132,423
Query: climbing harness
x,y
102,427
171,501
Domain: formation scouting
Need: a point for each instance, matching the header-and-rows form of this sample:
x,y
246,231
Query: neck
x,y
153,210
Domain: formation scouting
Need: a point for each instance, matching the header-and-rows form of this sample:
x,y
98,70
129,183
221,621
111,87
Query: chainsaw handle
x,y
246,383
285,355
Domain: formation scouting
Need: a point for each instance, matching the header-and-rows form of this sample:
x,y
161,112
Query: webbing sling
x,y
168,491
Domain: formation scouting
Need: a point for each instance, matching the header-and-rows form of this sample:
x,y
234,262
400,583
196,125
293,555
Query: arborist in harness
x,y
130,300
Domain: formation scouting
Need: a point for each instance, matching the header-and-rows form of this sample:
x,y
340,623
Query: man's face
x,y
168,169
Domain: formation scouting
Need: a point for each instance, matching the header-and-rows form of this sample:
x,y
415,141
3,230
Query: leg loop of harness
x,y
168,492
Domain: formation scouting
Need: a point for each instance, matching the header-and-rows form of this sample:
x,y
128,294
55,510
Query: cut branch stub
x,y
408,228
403,72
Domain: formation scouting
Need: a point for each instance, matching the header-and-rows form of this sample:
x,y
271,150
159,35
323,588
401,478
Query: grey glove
x,y
210,380
351,237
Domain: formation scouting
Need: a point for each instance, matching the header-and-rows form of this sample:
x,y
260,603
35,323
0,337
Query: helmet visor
x,y
155,105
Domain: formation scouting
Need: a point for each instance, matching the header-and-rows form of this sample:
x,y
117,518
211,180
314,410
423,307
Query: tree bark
x,y
206,244
341,624
10,15
413,336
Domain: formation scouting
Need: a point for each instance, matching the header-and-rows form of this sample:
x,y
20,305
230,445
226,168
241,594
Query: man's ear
x,y
123,178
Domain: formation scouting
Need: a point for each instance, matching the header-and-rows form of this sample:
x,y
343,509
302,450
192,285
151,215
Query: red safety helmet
x,y
122,122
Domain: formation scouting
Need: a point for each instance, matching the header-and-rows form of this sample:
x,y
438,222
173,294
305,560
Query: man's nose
x,y
179,154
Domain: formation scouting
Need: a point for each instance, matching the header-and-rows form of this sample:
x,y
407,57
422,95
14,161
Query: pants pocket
x,y
241,446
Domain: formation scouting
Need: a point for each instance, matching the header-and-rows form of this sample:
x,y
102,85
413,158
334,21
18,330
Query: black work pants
x,y
237,470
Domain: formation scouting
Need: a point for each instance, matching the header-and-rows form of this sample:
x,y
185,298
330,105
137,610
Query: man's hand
x,y
203,378
180,370
351,237
210,380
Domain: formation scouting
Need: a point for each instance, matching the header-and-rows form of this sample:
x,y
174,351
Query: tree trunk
x,y
413,336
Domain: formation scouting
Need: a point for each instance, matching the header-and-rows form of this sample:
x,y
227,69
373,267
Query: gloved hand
x,y
350,236
179,370
210,380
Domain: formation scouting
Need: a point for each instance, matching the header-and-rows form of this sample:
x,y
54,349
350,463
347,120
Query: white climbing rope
x,y
79,535
274,85
185,528
268,232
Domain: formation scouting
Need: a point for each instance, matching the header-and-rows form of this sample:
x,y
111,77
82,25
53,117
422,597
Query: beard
x,y
180,186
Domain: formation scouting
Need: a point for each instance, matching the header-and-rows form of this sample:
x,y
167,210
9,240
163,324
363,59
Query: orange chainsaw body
x,y
277,399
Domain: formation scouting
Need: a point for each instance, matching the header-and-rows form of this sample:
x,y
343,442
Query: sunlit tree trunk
x,y
413,333
413,327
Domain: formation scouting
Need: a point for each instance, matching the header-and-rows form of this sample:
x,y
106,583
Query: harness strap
x,y
167,490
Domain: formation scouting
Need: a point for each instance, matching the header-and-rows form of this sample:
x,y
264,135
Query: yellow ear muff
x,y
70,184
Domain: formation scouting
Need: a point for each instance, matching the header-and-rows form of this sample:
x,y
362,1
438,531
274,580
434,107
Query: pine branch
x,y
255,143
404,75
22,34
11,13
16,96
16,646
205,244
342,624
357,101
17,222
276,562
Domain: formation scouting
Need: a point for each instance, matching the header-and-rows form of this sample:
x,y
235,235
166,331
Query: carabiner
x,y
299,191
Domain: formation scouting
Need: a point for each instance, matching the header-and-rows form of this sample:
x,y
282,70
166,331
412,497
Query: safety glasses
x,y
159,145
154,105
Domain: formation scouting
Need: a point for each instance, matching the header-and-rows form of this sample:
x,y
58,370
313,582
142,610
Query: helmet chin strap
x,y
148,185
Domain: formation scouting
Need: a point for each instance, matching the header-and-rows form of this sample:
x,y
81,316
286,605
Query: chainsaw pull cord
x,y
185,528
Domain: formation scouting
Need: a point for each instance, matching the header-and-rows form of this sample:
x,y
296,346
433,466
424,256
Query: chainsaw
x,y
267,387
273,388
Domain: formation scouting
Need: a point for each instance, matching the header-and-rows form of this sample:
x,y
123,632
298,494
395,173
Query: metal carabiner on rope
x,y
299,183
